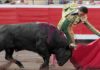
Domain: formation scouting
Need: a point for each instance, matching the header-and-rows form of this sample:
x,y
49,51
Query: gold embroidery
x,y
74,18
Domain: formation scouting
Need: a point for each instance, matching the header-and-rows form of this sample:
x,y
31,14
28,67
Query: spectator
x,y
0,2
92,2
7,1
74,1
64,1
60,1
81,1
13,2
50,2
17,2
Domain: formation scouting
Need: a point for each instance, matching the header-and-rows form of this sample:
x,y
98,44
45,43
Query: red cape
x,y
87,57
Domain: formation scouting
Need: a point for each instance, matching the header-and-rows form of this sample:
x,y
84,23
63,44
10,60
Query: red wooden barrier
x,y
51,15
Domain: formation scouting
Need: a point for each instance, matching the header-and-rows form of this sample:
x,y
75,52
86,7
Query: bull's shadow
x,y
5,66
41,38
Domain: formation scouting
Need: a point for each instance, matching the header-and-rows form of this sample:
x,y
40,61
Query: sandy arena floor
x,y
31,61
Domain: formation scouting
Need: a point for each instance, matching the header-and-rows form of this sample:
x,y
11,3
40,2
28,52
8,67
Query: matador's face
x,y
80,13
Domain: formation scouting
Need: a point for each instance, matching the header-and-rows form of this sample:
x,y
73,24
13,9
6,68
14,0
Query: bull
x,y
42,38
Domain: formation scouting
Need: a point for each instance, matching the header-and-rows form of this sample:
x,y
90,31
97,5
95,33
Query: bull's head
x,y
62,51
62,56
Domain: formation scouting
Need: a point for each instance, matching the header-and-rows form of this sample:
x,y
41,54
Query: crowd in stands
x,y
46,1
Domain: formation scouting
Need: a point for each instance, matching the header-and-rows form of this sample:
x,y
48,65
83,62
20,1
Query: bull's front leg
x,y
45,65
8,56
43,51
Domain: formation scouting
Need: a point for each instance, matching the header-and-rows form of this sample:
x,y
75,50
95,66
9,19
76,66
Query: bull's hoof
x,y
44,68
19,64
21,67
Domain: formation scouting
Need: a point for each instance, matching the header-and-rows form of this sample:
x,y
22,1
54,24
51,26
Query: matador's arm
x,y
92,28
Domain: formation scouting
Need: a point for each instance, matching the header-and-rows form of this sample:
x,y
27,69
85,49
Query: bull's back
x,y
25,29
25,36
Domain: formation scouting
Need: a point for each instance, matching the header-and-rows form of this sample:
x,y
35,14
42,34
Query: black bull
x,y
43,39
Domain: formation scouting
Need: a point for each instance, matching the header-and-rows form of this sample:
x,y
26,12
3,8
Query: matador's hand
x,y
72,45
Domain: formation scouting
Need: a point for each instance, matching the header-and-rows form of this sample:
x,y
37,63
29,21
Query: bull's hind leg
x,y
9,57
